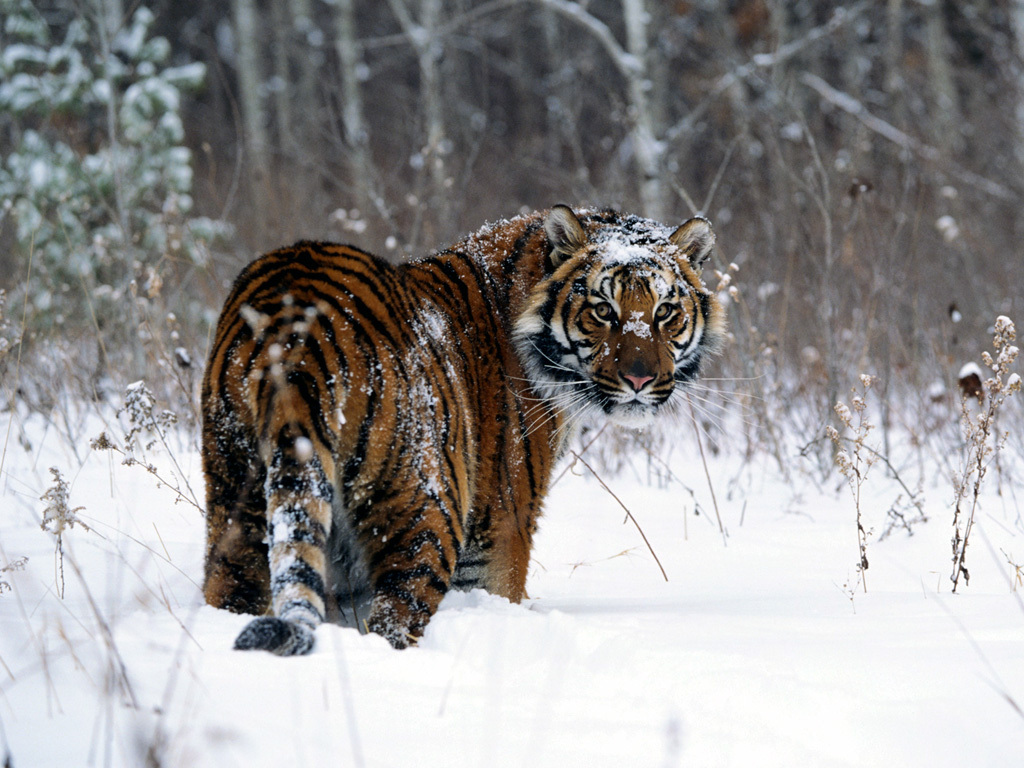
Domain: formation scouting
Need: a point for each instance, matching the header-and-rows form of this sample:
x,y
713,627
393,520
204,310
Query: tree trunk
x,y
249,84
283,33
648,148
894,84
353,119
1017,21
423,35
305,101
940,79
112,14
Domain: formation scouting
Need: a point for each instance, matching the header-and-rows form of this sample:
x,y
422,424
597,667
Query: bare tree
x,y
250,82
631,63
1017,21
423,34
944,115
353,119
647,143
283,34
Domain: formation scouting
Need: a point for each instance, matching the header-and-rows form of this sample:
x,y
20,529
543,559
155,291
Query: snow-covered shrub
x,y
96,177
854,458
979,426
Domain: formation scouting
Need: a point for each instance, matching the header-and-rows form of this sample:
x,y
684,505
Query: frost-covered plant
x,y
982,439
96,176
14,565
58,516
903,514
855,462
139,405
147,428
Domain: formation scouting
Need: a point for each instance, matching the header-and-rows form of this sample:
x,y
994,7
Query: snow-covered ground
x,y
758,651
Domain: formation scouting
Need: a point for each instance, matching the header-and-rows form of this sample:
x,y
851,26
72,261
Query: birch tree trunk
x,y
304,132
563,137
250,85
940,79
283,34
109,14
423,35
647,145
353,118
112,13
631,62
1017,22
894,82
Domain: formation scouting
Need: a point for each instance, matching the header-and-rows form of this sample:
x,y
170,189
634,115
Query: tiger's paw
x,y
280,636
399,637
393,621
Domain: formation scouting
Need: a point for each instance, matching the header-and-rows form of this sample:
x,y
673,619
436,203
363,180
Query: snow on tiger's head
x,y
621,320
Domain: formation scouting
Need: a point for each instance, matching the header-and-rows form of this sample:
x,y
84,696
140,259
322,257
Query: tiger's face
x,y
623,320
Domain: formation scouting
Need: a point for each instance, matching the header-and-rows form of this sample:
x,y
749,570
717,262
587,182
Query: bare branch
x,y
626,63
852,106
761,61
449,27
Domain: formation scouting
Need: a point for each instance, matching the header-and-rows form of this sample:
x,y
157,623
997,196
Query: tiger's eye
x,y
604,310
663,311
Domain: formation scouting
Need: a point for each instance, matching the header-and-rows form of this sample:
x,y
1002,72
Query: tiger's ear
x,y
565,234
695,239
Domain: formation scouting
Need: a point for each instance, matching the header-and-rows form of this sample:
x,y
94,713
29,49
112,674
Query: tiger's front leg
x,y
411,568
496,554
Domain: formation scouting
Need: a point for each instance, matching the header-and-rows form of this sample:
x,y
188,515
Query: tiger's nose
x,y
637,381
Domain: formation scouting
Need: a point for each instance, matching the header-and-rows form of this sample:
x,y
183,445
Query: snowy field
x,y
760,650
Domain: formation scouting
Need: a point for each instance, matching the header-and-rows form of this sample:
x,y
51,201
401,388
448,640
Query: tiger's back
x,y
388,430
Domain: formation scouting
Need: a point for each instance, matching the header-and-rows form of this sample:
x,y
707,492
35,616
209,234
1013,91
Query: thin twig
x,y
629,515
881,457
761,61
707,472
582,451
108,635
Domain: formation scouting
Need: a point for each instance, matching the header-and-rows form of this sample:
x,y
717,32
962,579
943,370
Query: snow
x,y
637,326
970,369
762,650
615,252
948,228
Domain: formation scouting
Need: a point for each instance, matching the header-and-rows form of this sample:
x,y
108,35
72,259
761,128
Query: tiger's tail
x,y
295,449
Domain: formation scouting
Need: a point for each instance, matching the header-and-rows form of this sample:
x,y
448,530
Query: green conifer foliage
x,y
97,180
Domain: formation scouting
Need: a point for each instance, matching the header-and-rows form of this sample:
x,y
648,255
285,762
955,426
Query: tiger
x,y
386,433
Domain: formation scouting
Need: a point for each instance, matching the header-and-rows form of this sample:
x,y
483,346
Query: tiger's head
x,y
621,320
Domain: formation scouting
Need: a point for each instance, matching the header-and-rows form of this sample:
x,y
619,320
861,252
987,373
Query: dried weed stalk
x,y
59,516
983,440
629,515
855,462
14,565
1018,570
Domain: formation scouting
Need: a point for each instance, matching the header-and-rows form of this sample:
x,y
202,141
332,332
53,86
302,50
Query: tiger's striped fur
x,y
392,431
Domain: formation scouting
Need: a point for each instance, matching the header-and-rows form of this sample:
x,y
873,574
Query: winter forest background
x,y
861,163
